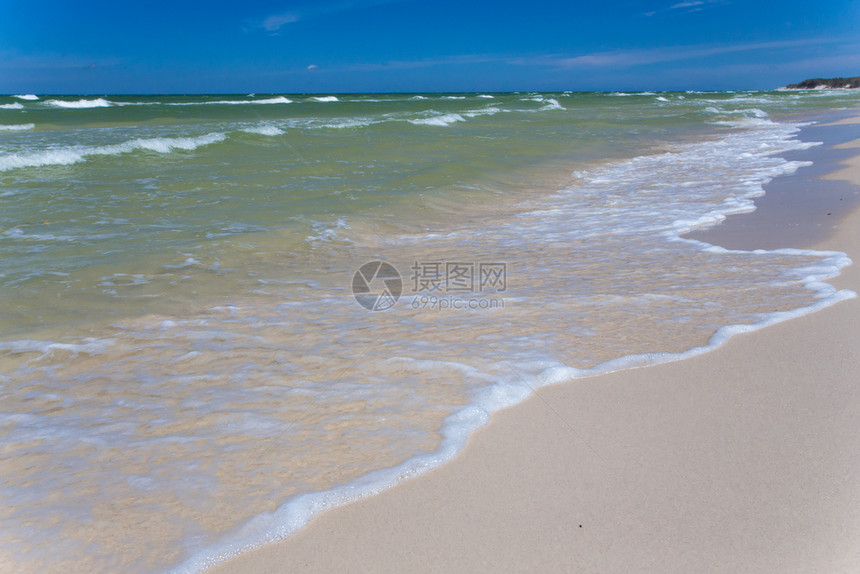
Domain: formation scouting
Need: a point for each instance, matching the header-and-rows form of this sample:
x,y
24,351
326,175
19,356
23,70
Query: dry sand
x,y
745,459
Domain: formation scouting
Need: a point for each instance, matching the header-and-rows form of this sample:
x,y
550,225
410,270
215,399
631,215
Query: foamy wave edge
x,y
16,127
72,155
440,120
80,104
266,101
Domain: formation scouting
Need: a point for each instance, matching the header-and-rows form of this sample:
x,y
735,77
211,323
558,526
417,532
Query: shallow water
x,y
185,369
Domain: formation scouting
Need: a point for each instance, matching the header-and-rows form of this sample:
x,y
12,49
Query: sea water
x,y
221,315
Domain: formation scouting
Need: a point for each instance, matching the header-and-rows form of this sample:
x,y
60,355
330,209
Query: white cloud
x,y
274,23
319,9
686,7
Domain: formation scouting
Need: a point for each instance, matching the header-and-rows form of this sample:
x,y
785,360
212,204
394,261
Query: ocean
x,y
221,315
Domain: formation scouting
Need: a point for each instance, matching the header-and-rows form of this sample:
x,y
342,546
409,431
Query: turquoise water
x,y
184,368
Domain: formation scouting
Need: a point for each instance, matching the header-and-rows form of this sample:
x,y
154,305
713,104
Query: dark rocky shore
x,y
826,84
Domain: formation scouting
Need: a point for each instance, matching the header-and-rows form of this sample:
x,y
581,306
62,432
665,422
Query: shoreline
x,y
800,209
729,460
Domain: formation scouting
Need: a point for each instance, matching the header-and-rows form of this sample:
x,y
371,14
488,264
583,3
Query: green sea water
x,y
99,202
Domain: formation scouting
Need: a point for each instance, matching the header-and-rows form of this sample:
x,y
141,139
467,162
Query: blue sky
x,y
159,46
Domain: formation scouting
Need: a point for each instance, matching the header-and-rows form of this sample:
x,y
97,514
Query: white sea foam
x,y
30,97
488,111
440,120
661,99
16,127
12,106
37,159
749,112
325,98
264,129
347,123
75,154
266,101
374,100
744,122
79,104
164,145
550,103
277,100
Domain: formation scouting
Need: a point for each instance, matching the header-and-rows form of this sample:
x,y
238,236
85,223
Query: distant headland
x,y
826,84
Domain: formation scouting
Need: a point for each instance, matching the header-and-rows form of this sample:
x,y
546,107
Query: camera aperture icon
x,y
377,286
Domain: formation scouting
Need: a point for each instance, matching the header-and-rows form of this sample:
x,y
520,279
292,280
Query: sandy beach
x,y
739,460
